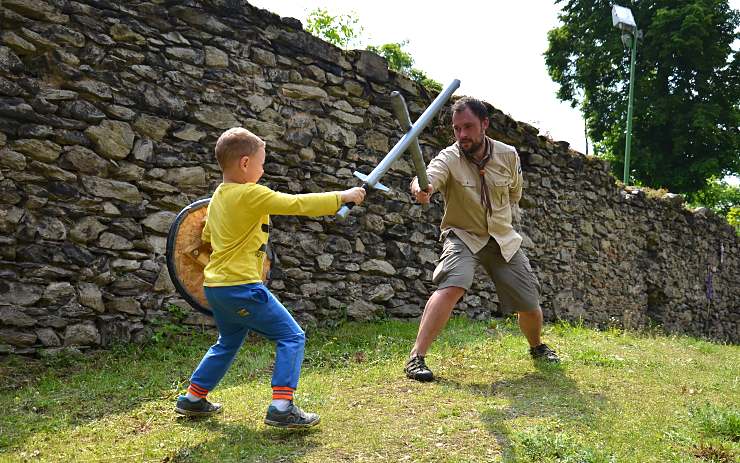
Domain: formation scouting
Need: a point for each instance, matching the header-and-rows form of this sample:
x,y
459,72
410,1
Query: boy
x,y
237,228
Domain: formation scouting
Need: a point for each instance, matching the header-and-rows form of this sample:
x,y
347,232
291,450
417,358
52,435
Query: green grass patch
x,y
720,422
543,445
616,397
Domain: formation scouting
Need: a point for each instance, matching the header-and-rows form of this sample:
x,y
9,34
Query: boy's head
x,y
240,154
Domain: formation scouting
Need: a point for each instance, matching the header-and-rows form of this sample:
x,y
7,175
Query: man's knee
x,y
536,312
452,291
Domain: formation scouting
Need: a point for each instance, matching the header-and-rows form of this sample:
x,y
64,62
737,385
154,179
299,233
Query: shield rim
x,y
170,256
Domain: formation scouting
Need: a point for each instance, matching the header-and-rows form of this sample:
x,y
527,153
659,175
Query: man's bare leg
x,y
531,325
435,316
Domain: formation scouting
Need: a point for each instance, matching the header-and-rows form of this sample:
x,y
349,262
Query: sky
x,y
495,48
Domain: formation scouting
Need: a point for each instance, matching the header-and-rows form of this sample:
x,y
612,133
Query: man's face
x,y
469,130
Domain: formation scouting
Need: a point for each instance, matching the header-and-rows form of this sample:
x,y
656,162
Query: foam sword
x,y
408,141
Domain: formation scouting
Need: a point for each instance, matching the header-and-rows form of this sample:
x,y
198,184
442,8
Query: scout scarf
x,y
485,199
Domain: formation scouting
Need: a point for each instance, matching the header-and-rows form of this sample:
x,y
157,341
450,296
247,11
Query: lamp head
x,y
622,18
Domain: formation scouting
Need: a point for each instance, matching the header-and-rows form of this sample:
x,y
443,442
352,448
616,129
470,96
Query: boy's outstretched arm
x,y
266,201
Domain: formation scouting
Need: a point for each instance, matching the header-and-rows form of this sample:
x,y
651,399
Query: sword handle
x,y
344,210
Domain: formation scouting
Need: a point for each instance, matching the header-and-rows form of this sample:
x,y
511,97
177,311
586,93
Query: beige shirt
x,y
459,181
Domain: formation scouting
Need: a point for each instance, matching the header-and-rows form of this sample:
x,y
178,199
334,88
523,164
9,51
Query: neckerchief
x,y
485,199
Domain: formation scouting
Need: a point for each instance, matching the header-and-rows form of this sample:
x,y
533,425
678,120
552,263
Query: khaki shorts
x,y
516,284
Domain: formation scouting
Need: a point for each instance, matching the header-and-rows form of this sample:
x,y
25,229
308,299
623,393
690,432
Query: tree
x,y
398,59
341,30
401,61
733,217
717,195
687,86
420,76
345,29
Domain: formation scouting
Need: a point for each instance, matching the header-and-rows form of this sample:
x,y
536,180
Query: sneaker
x,y
416,369
544,353
292,418
201,407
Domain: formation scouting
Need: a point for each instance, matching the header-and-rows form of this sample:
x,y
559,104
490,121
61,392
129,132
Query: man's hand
x,y
422,197
353,195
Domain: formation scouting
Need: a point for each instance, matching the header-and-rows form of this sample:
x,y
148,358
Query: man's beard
x,y
473,147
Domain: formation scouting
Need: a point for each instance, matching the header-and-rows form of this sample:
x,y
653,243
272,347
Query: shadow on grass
x,y
238,442
546,393
134,381
69,391
57,395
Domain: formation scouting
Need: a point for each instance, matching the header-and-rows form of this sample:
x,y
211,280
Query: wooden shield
x,y
187,255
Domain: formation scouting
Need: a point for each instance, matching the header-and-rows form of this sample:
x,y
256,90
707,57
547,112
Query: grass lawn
x,y
617,396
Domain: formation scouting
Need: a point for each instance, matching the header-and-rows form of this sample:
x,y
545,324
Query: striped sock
x,y
282,392
195,393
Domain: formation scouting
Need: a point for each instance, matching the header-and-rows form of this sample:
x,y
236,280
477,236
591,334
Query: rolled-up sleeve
x,y
515,191
438,171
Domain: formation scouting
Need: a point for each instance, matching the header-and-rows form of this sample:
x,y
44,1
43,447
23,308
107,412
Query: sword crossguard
x,y
377,186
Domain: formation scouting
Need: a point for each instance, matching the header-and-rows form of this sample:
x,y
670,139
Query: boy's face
x,y
252,167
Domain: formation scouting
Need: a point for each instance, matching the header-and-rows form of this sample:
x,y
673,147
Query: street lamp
x,y
623,20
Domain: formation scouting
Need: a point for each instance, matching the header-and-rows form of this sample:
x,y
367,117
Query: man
x,y
481,181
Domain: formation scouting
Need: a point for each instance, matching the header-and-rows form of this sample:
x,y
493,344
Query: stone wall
x,y
108,116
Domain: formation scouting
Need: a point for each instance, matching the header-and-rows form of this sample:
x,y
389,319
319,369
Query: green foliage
x,y
398,59
401,61
165,329
176,311
733,217
421,77
345,31
687,111
341,30
717,195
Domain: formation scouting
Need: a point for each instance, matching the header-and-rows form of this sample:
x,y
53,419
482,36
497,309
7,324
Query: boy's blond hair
x,y
235,143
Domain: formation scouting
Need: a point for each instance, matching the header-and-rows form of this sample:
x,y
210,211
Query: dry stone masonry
x,y
109,111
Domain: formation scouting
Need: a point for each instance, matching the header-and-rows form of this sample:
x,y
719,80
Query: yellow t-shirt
x,y
238,226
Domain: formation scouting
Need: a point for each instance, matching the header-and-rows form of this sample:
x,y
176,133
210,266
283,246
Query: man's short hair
x,y
475,105
235,143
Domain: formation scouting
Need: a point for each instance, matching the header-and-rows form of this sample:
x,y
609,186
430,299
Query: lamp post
x,y
623,20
